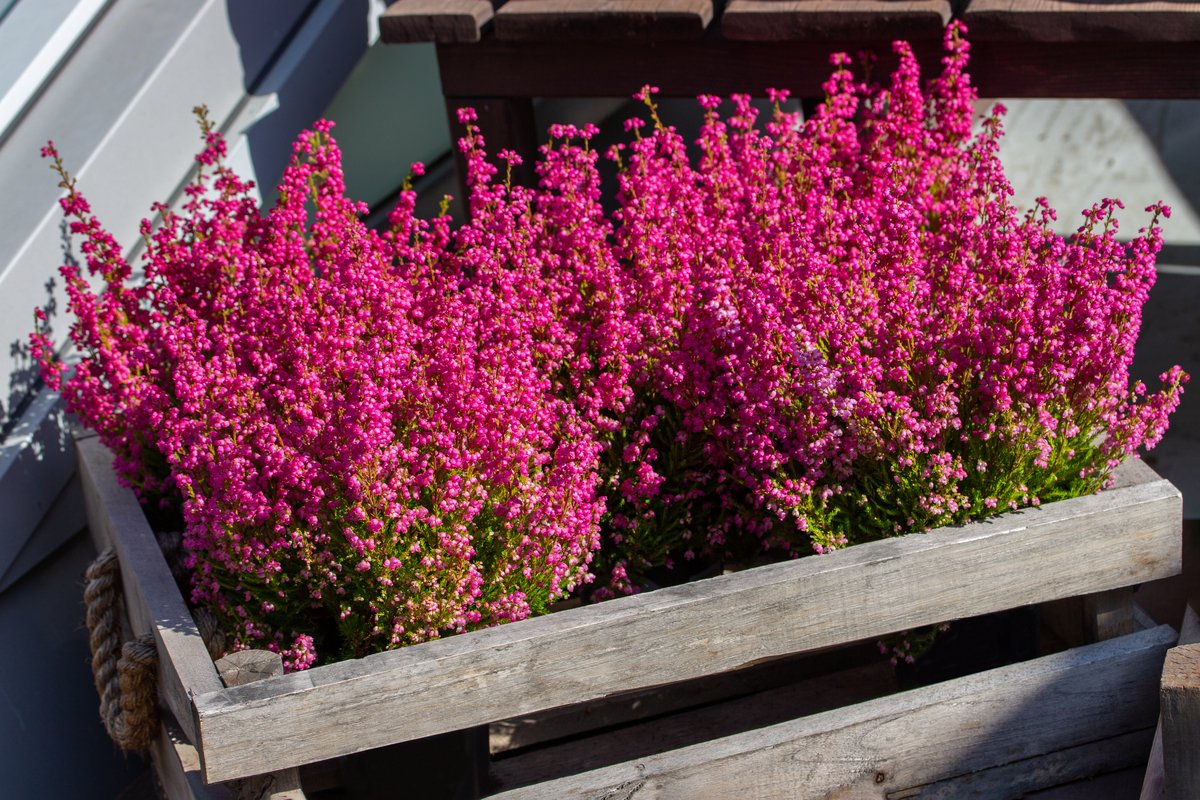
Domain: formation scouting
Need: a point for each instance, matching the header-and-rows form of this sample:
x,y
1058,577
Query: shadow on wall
x,y
1173,129
295,57
25,378
1170,331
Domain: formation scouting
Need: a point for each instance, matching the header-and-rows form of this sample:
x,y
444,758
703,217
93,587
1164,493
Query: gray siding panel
x,y
120,113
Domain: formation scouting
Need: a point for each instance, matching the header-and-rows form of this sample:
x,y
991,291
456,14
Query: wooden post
x,y
1091,618
1152,783
1180,703
248,666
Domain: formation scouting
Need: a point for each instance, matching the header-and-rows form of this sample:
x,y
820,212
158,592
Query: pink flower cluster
x,y
365,438
851,332
797,336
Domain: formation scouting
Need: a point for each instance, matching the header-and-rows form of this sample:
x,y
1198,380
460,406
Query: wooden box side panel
x,y
1123,536
999,733
152,599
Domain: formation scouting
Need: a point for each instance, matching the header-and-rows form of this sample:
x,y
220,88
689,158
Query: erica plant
x,y
367,452
785,337
852,333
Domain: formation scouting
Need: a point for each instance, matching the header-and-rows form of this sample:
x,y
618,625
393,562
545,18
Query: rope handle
x,y
124,672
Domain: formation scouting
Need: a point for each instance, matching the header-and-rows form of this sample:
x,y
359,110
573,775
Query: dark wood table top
x,y
1032,48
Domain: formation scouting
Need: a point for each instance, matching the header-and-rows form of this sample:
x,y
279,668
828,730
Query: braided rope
x,y
124,672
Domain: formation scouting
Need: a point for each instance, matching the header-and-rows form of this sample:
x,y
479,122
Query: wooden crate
x,y
1124,536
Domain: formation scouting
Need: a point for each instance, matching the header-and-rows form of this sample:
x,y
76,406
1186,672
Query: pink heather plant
x,y
808,335
368,453
851,333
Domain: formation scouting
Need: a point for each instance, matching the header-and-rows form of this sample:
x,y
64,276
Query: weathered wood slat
x,y
896,747
631,707
1152,782
1035,774
836,20
628,20
152,599
1180,698
238,669
177,766
407,21
686,728
1082,21
1079,546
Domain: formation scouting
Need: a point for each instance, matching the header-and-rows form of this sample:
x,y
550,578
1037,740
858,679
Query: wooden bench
x,y
497,57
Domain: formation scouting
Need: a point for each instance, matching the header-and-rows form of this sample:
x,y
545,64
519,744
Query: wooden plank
x,y
1152,782
1082,21
152,599
408,21
1041,772
177,766
1180,699
1117,538
629,20
241,668
895,746
686,728
826,20
682,68
719,66
630,707
1091,618
1086,69
1120,784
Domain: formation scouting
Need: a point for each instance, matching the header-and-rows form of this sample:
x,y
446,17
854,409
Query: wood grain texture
x,y
407,21
686,728
825,20
246,666
713,65
238,669
152,599
177,767
1118,538
1180,699
1031,775
628,20
1152,781
895,746
1081,21
637,706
